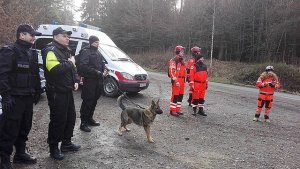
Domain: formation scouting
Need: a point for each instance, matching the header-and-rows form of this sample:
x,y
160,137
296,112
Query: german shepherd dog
x,y
141,117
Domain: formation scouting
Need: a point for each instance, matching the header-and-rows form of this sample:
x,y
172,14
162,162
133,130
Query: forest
x,y
251,31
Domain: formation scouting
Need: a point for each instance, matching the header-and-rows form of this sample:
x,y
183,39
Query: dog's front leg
x,y
147,130
120,130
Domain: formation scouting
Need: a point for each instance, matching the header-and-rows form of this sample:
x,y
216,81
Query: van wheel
x,y
110,87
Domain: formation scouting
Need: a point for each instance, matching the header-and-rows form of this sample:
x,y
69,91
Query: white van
x,y
124,74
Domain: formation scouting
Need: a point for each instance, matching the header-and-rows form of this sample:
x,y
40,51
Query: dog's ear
x,y
157,102
152,103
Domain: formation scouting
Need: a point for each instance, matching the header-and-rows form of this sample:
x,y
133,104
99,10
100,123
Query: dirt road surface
x,y
226,138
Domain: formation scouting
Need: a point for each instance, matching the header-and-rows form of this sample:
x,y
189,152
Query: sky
x,y
77,4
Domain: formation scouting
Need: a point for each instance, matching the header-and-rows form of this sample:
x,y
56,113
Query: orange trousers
x,y
177,96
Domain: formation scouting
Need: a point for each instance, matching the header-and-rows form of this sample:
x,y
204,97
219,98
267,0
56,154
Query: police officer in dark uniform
x,y
20,87
59,69
92,70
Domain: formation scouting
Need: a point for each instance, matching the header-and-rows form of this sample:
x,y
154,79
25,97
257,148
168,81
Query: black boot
x,y
92,122
5,162
67,145
55,152
174,114
179,113
194,111
267,119
201,111
84,127
22,156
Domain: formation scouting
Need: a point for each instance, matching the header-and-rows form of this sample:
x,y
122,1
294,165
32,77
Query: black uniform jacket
x,y
91,63
61,77
19,71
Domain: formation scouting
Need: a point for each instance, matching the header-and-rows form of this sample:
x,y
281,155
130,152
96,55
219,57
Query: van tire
x,y
110,87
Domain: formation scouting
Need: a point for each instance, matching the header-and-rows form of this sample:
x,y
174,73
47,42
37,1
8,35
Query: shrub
x,y
228,72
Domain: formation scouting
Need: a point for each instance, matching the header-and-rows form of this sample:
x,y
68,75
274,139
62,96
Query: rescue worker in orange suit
x,y
267,83
198,83
177,71
195,51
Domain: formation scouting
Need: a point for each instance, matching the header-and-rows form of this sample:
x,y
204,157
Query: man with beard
x,y
92,69
176,72
20,87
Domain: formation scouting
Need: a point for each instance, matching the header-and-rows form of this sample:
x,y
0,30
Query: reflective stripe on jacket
x,y
59,72
177,68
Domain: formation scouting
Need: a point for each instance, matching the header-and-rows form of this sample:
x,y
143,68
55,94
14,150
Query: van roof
x,y
77,33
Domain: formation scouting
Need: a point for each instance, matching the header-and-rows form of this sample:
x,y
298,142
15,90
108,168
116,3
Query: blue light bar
x,y
89,26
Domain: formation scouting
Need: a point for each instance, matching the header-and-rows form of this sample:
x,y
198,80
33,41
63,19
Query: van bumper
x,y
133,87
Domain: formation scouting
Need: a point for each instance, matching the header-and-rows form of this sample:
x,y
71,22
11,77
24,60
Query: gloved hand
x,y
36,98
7,103
272,85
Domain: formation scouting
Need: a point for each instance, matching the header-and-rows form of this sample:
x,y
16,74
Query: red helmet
x,y
196,49
178,48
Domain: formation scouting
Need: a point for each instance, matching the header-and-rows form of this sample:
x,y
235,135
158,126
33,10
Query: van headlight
x,y
127,76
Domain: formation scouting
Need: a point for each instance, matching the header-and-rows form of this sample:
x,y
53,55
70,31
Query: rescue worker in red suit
x,y
177,71
267,83
191,62
198,83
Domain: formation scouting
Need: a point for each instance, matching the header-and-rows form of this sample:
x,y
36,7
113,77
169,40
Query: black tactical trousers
x,y
87,109
15,126
62,116
91,92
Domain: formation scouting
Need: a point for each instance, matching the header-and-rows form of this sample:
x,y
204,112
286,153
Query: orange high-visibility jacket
x,y
190,63
198,76
264,83
177,68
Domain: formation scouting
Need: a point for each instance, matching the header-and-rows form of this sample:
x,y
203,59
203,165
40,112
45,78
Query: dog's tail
x,y
120,104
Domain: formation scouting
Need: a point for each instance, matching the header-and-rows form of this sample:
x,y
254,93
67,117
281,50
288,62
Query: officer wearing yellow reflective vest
x,y
59,69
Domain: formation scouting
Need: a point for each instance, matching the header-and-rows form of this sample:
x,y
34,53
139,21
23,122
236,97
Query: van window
x,y
42,43
73,46
114,53
84,44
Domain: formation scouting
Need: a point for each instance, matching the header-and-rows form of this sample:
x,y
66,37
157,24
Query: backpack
x,y
77,61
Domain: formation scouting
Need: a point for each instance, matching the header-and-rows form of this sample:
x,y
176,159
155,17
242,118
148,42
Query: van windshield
x,y
114,53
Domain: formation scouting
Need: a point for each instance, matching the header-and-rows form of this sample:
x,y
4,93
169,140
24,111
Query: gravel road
x,y
226,138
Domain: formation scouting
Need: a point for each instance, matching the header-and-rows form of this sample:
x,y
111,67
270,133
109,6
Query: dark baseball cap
x,y
60,30
29,29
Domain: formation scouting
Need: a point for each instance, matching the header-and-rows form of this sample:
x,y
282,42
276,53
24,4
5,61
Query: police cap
x,y
27,28
60,30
